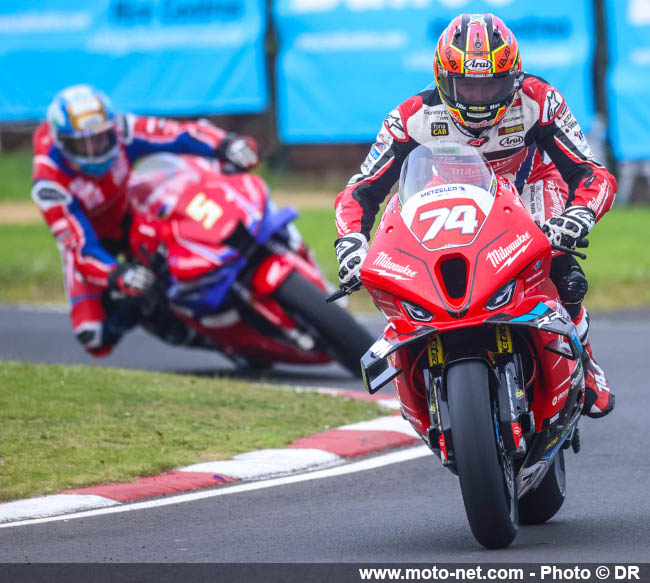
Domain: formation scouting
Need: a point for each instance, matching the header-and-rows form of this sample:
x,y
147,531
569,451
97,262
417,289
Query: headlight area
x,y
502,297
416,312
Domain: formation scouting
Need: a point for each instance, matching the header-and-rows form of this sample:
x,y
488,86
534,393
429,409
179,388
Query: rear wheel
x,y
344,338
543,502
485,470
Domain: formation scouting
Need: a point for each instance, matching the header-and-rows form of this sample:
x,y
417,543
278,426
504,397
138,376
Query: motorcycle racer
x,y
526,131
83,157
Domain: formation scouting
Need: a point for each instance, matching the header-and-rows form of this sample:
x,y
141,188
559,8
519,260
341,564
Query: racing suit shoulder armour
x,y
548,98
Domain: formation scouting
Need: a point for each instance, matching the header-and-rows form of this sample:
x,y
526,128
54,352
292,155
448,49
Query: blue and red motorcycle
x,y
235,268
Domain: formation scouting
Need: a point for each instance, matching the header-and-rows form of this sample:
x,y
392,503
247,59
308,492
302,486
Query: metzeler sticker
x,y
507,130
439,129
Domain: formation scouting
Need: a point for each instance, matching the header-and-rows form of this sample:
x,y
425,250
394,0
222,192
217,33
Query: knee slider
x,y
573,286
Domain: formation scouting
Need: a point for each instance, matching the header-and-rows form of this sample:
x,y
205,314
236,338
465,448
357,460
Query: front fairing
x,y
508,245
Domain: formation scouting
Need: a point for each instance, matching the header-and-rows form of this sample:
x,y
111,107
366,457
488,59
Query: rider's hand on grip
x,y
570,227
242,152
131,279
351,250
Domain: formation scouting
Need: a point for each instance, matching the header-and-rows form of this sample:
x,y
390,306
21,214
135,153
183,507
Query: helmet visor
x,y
478,90
91,146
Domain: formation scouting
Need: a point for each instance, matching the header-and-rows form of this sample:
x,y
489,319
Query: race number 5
x,y
203,210
462,216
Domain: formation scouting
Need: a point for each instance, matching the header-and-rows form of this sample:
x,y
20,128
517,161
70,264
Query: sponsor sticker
x,y
452,62
395,126
439,129
596,203
553,101
477,65
511,141
504,256
386,266
477,142
507,130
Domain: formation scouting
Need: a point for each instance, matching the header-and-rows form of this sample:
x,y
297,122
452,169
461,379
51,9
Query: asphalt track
x,y
410,511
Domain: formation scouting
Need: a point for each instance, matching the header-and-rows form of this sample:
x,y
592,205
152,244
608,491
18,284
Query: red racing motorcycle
x,y
234,267
485,360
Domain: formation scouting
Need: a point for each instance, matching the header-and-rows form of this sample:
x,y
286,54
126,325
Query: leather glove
x,y
242,152
131,279
573,224
351,250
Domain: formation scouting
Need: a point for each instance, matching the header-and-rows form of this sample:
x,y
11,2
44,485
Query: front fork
x,y
515,422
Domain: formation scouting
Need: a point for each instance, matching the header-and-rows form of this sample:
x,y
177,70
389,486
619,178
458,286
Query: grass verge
x,y
618,265
69,426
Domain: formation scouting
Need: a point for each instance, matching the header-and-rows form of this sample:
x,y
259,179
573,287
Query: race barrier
x,y
181,57
343,65
628,85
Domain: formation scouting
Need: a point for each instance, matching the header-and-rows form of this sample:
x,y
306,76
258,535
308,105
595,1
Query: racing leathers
x,y
89,217
538,146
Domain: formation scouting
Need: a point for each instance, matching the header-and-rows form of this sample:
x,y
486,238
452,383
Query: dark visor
x,y
92,146
478,90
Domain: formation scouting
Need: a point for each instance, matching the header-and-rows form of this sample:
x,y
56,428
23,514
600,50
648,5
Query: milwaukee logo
x,y
385,261
498,256
594,205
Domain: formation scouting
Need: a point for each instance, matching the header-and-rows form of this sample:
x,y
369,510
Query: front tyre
x,y
543,502
344,338
485,470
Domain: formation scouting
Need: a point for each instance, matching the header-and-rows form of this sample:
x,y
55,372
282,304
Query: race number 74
x,y
462,216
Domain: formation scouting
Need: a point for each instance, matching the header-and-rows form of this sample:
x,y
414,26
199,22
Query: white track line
x,y
349,468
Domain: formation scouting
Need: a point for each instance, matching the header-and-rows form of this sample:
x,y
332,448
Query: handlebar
x,y
344,291
581,243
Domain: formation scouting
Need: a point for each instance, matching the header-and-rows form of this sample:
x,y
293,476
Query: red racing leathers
x,y
538,146
87,215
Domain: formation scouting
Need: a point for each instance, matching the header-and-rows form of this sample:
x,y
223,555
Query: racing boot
x,y
599,399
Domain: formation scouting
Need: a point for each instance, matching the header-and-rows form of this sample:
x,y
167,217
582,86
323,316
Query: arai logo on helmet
x,y
478,65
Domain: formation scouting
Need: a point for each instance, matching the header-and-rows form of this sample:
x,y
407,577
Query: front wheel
x,y
543,502
344,338
485,470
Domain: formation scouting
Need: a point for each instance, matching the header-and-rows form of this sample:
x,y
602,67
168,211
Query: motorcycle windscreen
x,y
446,192
441,162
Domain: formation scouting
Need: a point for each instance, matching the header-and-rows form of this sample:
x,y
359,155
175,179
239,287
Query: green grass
x,y
618,261
618,265
30,265
16,173
70,426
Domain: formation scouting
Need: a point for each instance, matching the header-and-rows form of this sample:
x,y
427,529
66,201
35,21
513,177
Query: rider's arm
x,y
73,231
145,135
357,206
560,136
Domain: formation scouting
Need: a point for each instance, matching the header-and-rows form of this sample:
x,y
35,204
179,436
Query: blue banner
x,y
345,64
182,57
628,83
